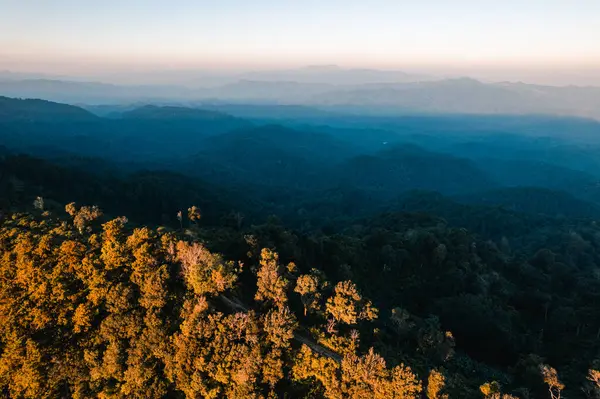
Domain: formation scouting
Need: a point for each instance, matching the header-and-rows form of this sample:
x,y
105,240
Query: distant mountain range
x,y
88,92
331,88
518,162
468,96
335,75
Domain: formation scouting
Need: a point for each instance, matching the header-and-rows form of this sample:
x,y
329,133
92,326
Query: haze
x,y
270,199
549,42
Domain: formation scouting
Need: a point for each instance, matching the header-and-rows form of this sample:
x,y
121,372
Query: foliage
x,y
271,284
310,287
466,292
113,311
347,305
550,377
435,385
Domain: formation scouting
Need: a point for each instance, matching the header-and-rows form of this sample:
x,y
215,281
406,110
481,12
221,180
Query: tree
x,y
594,383
550,377
271,285
347,305
400,320
279,325
205,273
180,219
114,252
594,377
491,390
367,377
434,342
309,286
436,383
356,377
194,214
83,216
38,203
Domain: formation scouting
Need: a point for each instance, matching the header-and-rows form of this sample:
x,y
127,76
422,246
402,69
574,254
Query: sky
x,y
72,35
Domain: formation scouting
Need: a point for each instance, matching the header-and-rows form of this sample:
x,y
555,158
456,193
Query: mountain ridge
x,y
454,95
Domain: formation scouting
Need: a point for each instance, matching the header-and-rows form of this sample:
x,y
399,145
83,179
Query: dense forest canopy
x,y
287,252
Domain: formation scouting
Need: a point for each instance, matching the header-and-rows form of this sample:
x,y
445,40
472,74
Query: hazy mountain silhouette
x,y
349,94
154,112
333,74
30,111
88,92
468,96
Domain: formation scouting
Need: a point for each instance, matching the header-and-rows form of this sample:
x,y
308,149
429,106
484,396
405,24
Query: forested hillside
x,y
170,252
92,306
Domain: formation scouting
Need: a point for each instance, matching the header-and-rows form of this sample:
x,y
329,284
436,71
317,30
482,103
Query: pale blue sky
x,y
270,33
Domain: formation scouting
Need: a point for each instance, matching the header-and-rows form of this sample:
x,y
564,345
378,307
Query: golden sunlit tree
x,y
310,287
436,382
348,306
550,377
271,284
194,214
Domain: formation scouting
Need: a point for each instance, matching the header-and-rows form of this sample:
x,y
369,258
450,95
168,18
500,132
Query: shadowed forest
x,y
272,251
